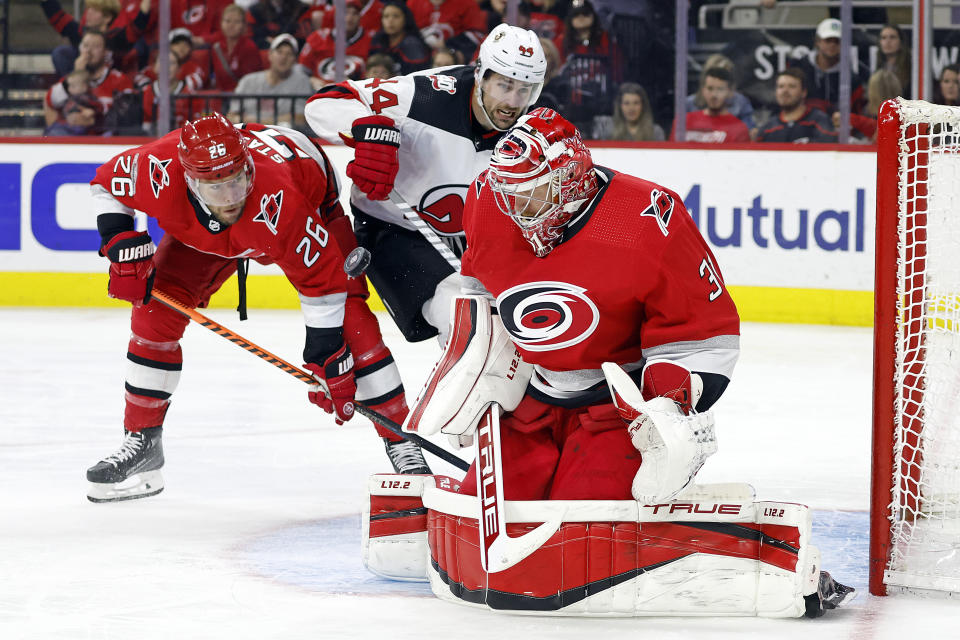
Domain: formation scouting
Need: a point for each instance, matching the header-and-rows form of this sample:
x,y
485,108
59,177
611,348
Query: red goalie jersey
x,y
285,218
631,280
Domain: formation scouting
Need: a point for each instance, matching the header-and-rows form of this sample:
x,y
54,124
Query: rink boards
x,y
792,227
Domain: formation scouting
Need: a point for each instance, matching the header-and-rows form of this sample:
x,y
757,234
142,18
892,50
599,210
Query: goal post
x,y
915,485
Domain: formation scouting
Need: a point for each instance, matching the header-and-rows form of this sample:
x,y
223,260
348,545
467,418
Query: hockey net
x,y
915,508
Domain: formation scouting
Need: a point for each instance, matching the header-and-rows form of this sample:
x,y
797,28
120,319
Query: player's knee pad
x,y
153,368
479,365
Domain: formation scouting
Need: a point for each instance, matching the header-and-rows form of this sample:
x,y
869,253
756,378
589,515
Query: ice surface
x,y
257,532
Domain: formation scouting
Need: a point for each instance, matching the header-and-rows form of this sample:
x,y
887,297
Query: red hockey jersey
x,y
631,280
295,191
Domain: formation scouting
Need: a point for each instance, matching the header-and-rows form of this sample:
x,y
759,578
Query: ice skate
x,y
830,595
406,457
132,472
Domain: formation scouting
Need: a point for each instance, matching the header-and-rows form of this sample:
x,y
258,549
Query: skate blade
x,y
139,485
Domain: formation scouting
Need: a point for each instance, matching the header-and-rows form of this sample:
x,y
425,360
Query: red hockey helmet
x,y
541,174
216,163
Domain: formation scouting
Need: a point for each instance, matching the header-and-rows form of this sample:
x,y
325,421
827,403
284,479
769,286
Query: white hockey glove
x,y
479,365
673,440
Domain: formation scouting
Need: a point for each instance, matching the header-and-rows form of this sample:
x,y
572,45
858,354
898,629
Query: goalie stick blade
x,y
504,551
498,551
140,485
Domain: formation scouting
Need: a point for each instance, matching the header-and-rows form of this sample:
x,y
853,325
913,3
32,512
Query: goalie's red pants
x,y
555,453
192,277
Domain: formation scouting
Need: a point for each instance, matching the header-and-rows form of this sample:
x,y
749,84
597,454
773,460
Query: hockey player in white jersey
x,y
426,136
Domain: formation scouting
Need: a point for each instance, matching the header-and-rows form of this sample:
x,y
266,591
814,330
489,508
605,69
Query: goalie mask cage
x,y
915,493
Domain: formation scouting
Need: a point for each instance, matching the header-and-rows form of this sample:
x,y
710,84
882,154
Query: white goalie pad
x,y
479,365
714,552
673,446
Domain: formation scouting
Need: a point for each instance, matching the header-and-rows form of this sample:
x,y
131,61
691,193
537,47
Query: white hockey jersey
x,y
442,148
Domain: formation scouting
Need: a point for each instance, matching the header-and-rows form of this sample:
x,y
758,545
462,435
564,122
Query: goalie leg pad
x,y
479,365
618,558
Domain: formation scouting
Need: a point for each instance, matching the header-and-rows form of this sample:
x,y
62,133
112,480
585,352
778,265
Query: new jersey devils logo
x,y
270,210
159,178
442,208
543,316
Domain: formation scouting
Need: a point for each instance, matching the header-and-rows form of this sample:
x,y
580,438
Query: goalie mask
x,y
541,174
217,165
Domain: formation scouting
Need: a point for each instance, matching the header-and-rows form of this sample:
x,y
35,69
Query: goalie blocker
x,y
712,552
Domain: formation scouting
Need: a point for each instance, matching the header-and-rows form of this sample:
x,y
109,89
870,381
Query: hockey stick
x,y
431,236
303,376
498,551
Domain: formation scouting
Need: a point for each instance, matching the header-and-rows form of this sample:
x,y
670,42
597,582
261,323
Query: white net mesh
x,y
925,505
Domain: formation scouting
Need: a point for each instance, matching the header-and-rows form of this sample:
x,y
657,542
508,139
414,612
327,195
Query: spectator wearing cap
x,y
270,18
282,78
104,80
318,55
120,32
232,54
823,71
400,38
796,122
192,72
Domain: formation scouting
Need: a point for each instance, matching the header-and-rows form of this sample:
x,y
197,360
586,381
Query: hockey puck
x,y
357,262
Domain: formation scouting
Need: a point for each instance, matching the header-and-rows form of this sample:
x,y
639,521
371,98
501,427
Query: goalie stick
x,y
498,551
303,376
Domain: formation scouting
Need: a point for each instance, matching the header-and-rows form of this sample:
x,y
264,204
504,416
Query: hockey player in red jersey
x,y
225,194
595,336
425,136
587,265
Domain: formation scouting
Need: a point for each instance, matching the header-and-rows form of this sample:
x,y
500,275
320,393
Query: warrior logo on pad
x,y
543,316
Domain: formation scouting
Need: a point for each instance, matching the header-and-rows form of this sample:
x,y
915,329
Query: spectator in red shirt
x,y
318,53
150,87
322,17
496,11
104,81
456,24
400,39
715,123
592,66
191,71
98,15
546,18
882,86
200,17
232,54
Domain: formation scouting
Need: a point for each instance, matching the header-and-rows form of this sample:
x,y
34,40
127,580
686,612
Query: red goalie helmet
x,y
216,162
541,175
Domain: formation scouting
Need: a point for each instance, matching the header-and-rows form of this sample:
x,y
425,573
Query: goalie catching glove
x,y
131,266
480,365
374,166
673,440
335,386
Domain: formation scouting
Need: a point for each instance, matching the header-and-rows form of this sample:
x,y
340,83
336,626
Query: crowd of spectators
x,y
609,65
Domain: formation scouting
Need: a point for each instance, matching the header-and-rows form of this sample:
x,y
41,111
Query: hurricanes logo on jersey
x,y
442,208
543,316
270,210
660,209
159,178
